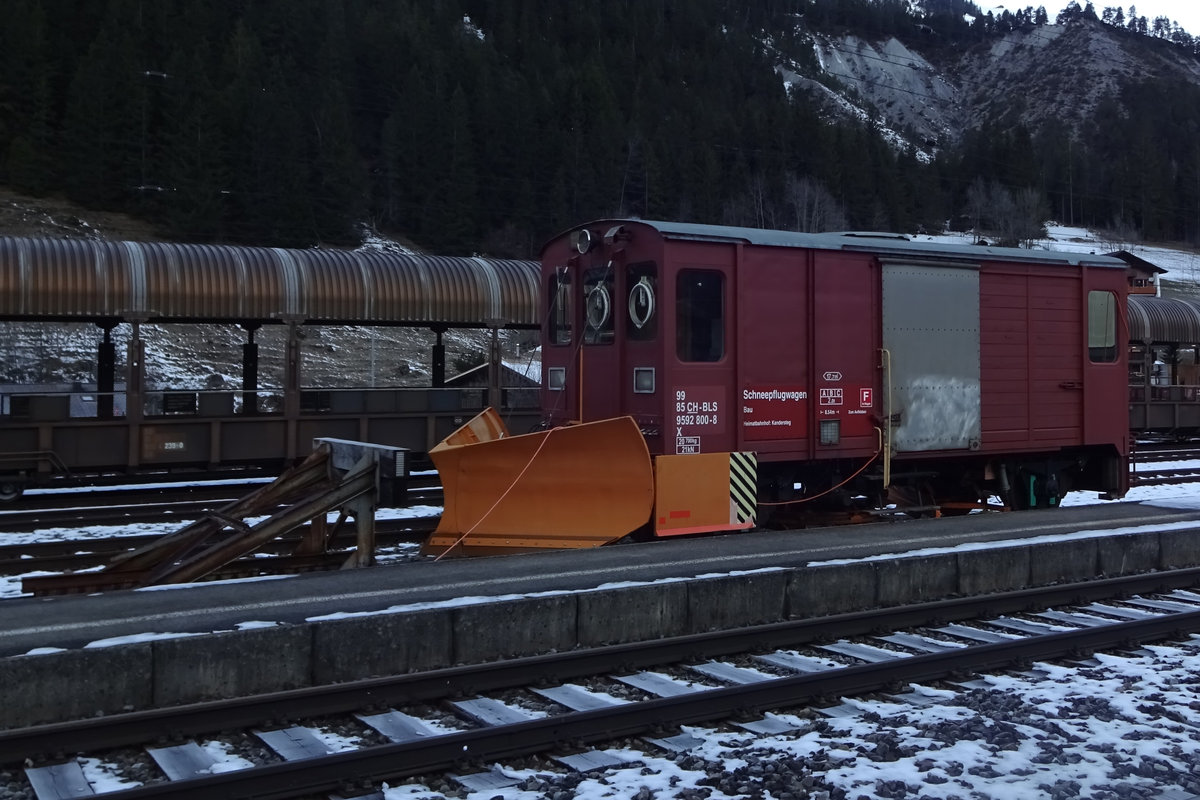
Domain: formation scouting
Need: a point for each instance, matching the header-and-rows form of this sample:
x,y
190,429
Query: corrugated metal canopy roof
x,y
1163,319
71,279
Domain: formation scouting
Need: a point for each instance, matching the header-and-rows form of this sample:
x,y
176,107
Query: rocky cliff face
x,y
926,93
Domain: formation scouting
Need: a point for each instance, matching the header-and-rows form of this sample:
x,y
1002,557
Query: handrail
x,y
885,366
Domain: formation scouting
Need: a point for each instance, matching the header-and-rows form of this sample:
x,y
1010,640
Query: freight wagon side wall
x,y
1030,349
774,352
807,353
1035,363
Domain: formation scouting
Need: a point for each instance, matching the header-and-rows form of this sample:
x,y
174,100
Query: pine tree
x,y
450,212
27,125
338,182
195,168
101,132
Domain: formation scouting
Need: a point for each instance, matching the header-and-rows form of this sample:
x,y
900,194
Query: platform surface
x,y
75,621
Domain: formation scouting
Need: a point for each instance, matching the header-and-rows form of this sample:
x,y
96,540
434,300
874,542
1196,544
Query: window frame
x,y
560,314
1102,345
694,303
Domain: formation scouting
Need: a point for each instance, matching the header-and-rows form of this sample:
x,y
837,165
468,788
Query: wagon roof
x,y
894,244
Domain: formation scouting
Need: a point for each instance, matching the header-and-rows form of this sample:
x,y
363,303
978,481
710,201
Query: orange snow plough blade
x,y
571,487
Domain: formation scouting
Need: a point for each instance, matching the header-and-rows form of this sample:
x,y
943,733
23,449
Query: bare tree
x,y
813,207
1001,215
977,206
1029,215
1120,233
754,207
1011,219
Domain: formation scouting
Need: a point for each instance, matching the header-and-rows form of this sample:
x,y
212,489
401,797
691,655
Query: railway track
x,y
1146,454
1162,477
80,554
1149,452
70,558
129,495
796,663
77,510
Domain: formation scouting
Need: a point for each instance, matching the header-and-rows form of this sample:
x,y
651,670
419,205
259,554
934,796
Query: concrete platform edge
x,y
59,686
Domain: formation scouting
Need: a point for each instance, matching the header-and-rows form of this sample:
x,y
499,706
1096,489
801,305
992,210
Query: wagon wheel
x,y
10,489
1019,494
910,498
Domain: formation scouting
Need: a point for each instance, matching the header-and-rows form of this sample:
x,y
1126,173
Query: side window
x,y
559,313
641,283
598,306
1102,327
700,315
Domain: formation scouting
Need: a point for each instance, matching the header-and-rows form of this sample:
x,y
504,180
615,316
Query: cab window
x,y
700,315
1102,327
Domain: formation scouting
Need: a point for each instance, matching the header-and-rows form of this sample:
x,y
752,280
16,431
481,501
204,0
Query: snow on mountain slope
x,y
926,94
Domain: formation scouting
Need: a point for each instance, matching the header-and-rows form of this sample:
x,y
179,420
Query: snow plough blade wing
x,y
571,487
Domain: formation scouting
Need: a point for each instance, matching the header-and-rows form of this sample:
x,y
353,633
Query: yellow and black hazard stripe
x,y
743,475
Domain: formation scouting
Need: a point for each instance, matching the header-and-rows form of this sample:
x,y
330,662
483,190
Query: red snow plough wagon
x,y
699,378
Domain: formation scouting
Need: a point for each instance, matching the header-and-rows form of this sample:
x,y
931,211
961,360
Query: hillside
x,y
55,217
928,96
486,126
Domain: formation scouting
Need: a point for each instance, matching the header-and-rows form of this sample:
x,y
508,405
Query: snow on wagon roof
x,y
884,243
